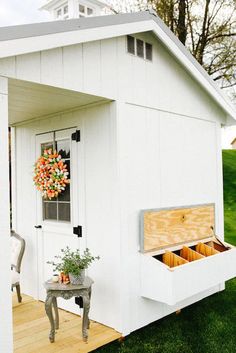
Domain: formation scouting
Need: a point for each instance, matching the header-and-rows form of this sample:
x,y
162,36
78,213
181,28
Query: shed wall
x,y
100,214
166,160
104,68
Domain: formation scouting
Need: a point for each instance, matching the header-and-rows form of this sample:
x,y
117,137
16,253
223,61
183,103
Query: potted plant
x,y
73,263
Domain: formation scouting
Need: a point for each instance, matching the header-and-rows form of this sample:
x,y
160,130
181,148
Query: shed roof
x,y
75,24
16,40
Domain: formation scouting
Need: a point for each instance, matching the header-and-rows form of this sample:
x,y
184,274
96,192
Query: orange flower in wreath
x,y
50,174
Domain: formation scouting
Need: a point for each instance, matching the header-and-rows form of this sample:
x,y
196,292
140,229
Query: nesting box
x,y
182,256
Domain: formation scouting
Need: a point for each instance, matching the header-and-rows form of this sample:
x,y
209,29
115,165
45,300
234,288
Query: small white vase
x,y
77,279
55,278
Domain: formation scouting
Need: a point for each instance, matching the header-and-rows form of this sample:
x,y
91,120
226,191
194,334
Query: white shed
x,y
149,120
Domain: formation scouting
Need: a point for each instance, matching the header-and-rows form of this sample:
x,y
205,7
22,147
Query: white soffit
x,y
29,101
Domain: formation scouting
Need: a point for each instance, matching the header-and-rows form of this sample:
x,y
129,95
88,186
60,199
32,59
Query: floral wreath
x,y
50,174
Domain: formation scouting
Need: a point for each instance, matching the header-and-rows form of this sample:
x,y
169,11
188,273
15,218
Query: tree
x,y
206,27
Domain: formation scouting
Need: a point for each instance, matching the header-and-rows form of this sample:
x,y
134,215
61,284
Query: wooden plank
x,y
163,228
173,260
190,255
205,250
31,329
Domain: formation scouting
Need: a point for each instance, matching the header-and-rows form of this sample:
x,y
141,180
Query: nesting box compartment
x,y
180,254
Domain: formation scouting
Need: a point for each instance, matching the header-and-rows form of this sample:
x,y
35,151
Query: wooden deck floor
x,y
31,329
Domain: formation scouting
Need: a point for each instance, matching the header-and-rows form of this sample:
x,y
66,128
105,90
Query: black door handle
x,y
78,231
38,227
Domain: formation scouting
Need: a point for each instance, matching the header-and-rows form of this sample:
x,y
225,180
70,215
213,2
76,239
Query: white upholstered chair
x,y
17,252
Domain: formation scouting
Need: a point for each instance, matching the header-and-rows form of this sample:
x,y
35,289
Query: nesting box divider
x,y
172,260
216,246
205,250
190,255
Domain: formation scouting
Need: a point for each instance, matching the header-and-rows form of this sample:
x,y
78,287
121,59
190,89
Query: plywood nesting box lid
x,y
162,228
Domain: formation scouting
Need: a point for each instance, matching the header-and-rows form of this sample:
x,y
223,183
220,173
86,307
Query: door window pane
x,y
65,195
50,210
59,208
46,146
63,148
64,211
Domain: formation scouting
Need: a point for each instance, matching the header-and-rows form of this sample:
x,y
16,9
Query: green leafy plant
x,y
72,261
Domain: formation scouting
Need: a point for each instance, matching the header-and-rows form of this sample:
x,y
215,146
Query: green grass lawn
x,y
229,171
208,326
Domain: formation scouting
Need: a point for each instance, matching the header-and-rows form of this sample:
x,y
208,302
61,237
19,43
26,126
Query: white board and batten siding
x,y
163,164
104,68
157,146
84,67
170,155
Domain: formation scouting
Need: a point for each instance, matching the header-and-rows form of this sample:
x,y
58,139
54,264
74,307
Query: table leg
x,y
90,293
86,302
48,309
54,302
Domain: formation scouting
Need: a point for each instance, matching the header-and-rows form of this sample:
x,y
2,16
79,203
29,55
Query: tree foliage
x,y
206,27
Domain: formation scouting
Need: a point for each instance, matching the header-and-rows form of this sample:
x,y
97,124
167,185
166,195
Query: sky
x,y
14,12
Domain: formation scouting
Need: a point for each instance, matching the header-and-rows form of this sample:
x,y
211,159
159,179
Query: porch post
x,y
6,341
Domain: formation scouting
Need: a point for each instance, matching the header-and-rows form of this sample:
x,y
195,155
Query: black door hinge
x,y
76,136
79,301
78,231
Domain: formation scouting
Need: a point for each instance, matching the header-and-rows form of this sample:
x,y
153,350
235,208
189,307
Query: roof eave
x,y
230,120
196,70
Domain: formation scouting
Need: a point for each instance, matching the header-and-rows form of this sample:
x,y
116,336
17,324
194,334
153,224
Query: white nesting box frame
x,y
173,285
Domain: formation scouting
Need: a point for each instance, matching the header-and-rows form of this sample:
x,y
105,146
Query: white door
x,y
56,218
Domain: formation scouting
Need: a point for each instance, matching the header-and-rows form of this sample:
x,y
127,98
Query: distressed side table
x,y
67,291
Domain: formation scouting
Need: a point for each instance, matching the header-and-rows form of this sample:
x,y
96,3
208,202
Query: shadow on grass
x,y
205,327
